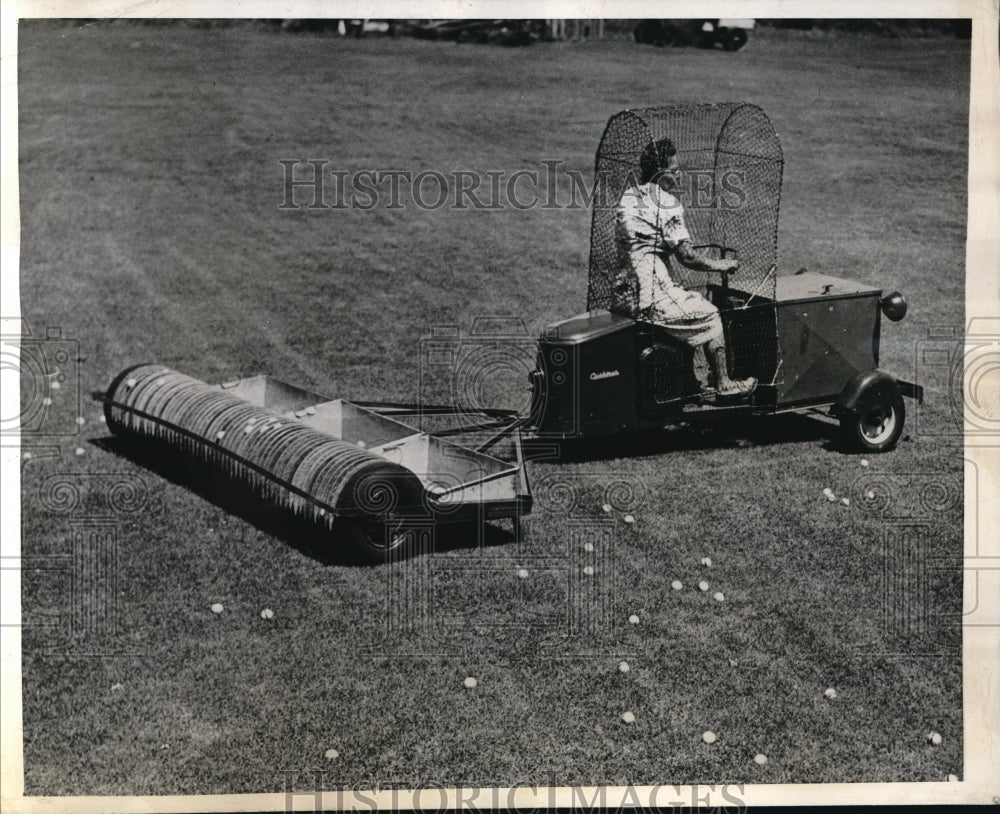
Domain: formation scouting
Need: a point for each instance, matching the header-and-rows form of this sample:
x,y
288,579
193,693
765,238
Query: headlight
x,y
894,306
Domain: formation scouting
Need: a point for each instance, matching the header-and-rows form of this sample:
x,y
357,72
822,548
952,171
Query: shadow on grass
x,y
751,431
312,540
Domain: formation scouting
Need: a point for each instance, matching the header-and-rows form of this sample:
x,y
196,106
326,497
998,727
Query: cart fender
x,y
867,383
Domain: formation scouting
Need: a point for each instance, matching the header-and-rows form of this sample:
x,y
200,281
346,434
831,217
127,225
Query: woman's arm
x,y
684,251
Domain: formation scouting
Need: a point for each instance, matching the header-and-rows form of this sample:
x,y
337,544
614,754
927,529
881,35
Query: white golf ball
x,y
522,573
628,717
633,619
864,462
846,501
676,584
870,494
831,497
588,546
827,491
703,586
217,608
708,736
718,596
80,450
267,613
331,754
934,738
623,667
470,683
706,561
629,518
81,420
589,570
360,442
952,778
220,435
55,385
27,456
760,759
606,508
830,692
47,401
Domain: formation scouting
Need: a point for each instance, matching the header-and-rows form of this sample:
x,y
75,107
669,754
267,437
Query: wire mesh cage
x,y
730,189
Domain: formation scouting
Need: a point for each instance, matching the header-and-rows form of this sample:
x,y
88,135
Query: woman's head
x,y
658,163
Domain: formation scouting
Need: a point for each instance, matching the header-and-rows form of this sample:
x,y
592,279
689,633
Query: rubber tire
x,y
733,39
884,409
365,538
648,32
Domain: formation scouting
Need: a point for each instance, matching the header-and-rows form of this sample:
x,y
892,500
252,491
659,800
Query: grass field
x,y
152,231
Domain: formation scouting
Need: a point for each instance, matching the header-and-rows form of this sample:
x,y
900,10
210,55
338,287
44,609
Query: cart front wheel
x,y
877,424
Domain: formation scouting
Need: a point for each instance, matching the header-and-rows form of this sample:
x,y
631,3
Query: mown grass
x,y
150,193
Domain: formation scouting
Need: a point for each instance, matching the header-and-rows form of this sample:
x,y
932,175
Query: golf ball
x,y
830,692
47,401
934,738
27,456
588,546
718,596
471,683
360,442
267,613
81,420
79,450
633,619
55,385
589,570
760,759
864,462
703,586
706,561
676,584
331,754
708,737
870,494
628,717
831,497
523,573
220,435
623,667
217,608
846,501
952,778
629,518
827,491
606,508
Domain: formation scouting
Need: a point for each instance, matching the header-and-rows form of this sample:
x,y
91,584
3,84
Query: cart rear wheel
x,y
877,423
